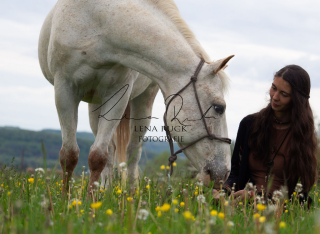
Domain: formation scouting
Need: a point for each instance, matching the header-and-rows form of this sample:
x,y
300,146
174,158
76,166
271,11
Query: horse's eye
x,y
219,109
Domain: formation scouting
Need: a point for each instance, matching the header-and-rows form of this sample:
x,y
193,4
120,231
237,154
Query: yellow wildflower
x,y
193,218
285,201
165,207
262,219
158,208
159,214
2,185
286,211
162,167
196,193
214,213
129,199
282,224
294,193
176,210
31,180
187,215
96,205
174,164
109,212
118,191
167,167
256,215
221,215
261,207
182,204
226,203
9,193
70,206
148,186
240,203
175,202
61,181
81,211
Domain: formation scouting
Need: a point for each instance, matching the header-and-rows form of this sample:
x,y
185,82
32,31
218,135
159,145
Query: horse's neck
x,y
156,48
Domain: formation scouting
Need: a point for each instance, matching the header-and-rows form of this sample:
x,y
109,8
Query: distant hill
x,y
14,140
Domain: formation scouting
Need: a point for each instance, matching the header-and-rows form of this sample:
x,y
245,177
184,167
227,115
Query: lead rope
x,y
173,156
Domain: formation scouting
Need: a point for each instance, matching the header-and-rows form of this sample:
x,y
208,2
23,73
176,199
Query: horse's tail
x,y
123,136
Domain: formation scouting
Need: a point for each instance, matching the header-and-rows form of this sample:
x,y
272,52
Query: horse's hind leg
x,y
141,108
106,174
67,106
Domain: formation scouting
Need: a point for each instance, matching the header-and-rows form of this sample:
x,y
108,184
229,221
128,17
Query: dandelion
x,y
82,211
167,167
294,193
70,206
221,215
261,207
162,167
159,214
75,202
109,212
201,198
193,218
158,208
226,203
31,180
256,215
182,204
9,193
214,213
96,205
240,203
165,207
143,214
118,191
176,210
187,215
129,199
175,202
174,164
196,193
282,224
230,224
2,185
122,166
148,186
262,219
96,184
286,211
39,169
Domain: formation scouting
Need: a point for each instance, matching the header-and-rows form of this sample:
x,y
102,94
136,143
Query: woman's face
x,y
280,95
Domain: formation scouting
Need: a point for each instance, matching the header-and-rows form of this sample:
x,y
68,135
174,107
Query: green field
x,y
153,207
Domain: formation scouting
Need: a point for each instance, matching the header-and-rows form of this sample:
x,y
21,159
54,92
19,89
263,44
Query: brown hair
x,y
303,147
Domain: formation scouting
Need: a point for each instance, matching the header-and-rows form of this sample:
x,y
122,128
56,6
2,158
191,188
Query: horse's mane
x,y
170,9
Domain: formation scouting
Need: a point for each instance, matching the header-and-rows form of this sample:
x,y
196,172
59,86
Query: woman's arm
x,y
236,158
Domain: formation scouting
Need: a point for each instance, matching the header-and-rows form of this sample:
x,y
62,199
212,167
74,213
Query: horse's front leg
x,y
67,106
141,109
99,155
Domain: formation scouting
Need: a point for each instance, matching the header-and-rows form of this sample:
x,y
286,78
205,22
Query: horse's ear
x,y
220,64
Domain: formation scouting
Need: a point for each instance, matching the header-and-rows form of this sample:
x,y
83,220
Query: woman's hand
x,y
240,195
216,194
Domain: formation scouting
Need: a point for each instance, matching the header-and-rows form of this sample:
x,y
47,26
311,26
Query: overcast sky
x,y
264,36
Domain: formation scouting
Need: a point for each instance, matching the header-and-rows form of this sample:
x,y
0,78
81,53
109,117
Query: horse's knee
x,y
97,160
69,158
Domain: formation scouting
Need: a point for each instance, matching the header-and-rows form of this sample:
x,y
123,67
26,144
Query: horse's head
x,y
210,157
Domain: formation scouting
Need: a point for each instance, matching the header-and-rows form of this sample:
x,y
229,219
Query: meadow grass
x,y
36,204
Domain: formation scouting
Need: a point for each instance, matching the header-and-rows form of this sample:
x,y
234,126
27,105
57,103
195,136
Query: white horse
x,y
95,50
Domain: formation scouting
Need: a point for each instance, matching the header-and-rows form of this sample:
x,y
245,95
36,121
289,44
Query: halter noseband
x,y
211,136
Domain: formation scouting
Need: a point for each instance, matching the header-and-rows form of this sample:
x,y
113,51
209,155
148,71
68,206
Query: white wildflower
x,y
200,183
201,198
143,214
277,195
230,224
123,166
39,169
298,188
96,184
44,203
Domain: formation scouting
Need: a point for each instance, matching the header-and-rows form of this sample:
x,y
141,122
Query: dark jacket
x,y
240,171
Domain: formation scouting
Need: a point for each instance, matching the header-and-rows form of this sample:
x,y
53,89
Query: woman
x,y
278,144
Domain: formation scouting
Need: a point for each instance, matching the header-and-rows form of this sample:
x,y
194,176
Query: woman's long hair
x,y
303,146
